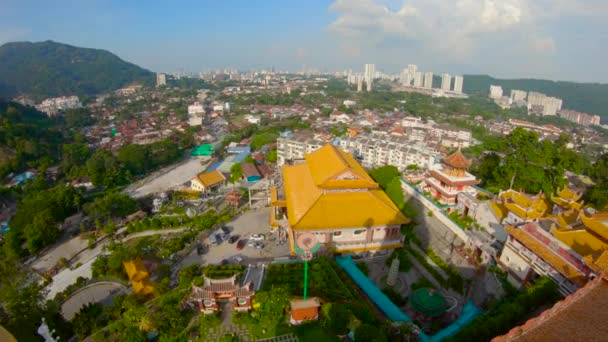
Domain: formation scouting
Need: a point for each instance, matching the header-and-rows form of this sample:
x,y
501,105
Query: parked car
x,y
226,229
241,244
251,244
257,237
224,237
201,249
236,259
225,262
234,238
218,239
259,245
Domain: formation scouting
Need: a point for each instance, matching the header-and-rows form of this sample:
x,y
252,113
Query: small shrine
x,y
206,298
139,277
452,178
304,310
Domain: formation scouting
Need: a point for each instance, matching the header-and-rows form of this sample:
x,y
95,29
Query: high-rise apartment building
x,y
370,73
161,79
446,81
412,69
458,83
495,92
359,84
418,79
518,95
428,79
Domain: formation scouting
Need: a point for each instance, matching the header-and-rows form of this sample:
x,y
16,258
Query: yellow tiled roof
x,y
595,225
211,178
580,240
332,168
599,264
135,269
548,255
500,210
311,207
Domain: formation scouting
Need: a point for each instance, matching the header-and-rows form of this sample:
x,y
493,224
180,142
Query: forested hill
x,y
584,97
48,69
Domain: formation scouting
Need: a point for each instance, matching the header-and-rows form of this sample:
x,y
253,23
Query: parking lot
x,y
251,222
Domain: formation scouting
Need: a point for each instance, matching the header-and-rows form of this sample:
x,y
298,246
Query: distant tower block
x,y
359,84
391,279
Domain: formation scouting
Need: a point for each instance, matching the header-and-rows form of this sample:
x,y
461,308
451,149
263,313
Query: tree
x,y
113,204
383,175
87,320
104,169
272,156
273,303
135,158
368,332
78,117
336,318
236,173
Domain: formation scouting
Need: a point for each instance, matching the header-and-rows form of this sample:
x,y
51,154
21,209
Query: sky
x,y
551,39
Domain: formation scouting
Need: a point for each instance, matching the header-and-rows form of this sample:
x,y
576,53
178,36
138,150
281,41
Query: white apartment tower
x,y
370,72
411,69
458,83
495,92
161,79
418,79
428,79
518,95
446,81
359,84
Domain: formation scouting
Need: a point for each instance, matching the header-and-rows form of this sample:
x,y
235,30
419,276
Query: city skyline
x,y
506,39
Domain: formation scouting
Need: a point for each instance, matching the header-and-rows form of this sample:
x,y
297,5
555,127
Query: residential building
x,y
250,172
518,95
458,84
428,80
207,181
196,108
359,84
412,69
53,106
161,79
580,118
495,92
253,119
293,148
446,82
331,196
452,178
370,74
581,316
418,79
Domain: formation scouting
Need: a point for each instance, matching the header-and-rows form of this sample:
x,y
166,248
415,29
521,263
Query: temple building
x,y
207,181
332,196
206,298
452,178
514,207
581,316
304,310
570,246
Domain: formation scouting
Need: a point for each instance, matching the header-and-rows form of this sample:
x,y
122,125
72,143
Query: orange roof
x,y
457,160
305,309
311,207
582,316
210,178
332,168
548,256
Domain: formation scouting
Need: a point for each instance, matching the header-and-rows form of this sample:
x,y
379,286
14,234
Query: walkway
x,y
92,293
282,338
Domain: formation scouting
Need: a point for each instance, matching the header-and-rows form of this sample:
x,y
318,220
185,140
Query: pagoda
x,y
452,178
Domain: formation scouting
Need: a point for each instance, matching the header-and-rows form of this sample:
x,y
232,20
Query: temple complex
x,y
452,178
569,245
514,207
332,196
206,298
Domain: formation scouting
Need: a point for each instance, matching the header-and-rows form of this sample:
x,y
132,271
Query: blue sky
x,y
554,39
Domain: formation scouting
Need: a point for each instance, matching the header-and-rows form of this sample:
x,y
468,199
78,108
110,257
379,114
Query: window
x,y
242,301
359,231
337,233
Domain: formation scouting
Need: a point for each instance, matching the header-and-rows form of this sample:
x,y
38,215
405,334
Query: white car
x,y
236,259
257,237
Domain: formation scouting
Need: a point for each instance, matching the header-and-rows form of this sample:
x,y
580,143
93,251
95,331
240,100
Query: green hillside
x,y
48,69
584,97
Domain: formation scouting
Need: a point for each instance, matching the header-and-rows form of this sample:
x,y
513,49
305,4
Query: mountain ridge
x,y
48,69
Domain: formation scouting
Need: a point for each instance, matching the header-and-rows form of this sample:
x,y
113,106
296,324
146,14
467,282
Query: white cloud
x,y
455,30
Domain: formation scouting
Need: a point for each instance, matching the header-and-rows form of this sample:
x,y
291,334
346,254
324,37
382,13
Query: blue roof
x,y
238,149
241,156
214,166
286,134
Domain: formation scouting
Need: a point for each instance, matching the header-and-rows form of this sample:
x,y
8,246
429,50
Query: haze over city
x,y
509,39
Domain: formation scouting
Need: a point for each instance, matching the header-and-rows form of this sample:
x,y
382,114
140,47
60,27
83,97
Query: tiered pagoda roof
x,y
457,160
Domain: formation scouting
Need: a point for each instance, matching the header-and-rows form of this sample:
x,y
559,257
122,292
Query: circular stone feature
x,y
428,302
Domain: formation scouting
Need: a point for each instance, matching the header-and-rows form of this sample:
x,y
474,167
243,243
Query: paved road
x,y
67,276
167,178
94,293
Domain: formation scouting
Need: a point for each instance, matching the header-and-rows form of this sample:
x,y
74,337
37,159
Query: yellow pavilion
x,y
514,207
333,197
138,275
